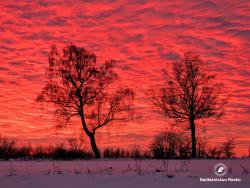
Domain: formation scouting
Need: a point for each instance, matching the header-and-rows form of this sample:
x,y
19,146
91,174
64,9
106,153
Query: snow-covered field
x,y
121,173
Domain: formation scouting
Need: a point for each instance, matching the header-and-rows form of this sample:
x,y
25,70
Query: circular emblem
x,y
220,169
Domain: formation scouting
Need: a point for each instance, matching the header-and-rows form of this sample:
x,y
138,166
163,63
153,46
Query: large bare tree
x,y
79,86
191,94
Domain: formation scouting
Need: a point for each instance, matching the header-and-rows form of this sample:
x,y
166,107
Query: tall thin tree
x,y
228,147
191,94
80,87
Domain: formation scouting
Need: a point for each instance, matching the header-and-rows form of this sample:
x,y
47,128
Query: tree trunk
x,y
192,127
94,146
91,136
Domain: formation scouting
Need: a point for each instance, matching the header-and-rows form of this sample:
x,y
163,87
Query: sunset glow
x,y
144,37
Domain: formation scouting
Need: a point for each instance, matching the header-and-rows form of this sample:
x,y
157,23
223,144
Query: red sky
x,y
144,37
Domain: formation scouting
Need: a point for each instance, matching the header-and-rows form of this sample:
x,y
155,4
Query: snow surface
x,y
121,173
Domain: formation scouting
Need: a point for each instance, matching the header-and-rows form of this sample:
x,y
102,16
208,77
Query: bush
x,y
136,152
59,152
170,145
22,152
7,147
228,147
115,153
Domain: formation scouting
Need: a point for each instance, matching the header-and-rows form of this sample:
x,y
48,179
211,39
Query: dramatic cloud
x,y
144,37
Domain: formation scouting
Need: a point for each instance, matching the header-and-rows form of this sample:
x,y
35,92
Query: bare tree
x,y
166,144
228,147
136,152
214,152
191,94
80,87
76,141
185,148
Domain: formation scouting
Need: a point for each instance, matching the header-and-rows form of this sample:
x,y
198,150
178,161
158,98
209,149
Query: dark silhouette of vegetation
x,y
214,152
116,153
228,148
136,152
170,145
191,94
76,142
80,87
202,144
6,147
249,152
9,149
166,145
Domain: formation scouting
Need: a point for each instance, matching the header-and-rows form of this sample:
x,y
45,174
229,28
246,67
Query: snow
x,y
122,173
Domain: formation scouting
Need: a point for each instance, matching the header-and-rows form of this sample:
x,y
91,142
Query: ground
x,y
121,173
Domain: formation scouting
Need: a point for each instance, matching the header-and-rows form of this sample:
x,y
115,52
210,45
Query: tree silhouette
x,y
79,86
228,147
191,94
166,144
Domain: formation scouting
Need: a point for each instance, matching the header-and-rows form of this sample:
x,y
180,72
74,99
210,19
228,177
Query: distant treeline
x,y
166,145
9,150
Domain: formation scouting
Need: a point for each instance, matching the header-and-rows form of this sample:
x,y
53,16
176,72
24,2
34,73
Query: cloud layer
x,y
144,37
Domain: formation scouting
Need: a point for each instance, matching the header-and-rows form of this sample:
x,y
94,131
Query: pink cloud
x,y
144,36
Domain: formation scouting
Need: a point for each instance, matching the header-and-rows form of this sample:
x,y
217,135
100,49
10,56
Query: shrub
x,y
7,147
170,145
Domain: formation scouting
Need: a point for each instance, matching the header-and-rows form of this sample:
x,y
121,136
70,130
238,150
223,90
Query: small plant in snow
x,y
183,166
245,171
129,169
107,171
138,168
164,169
11,170
56,168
